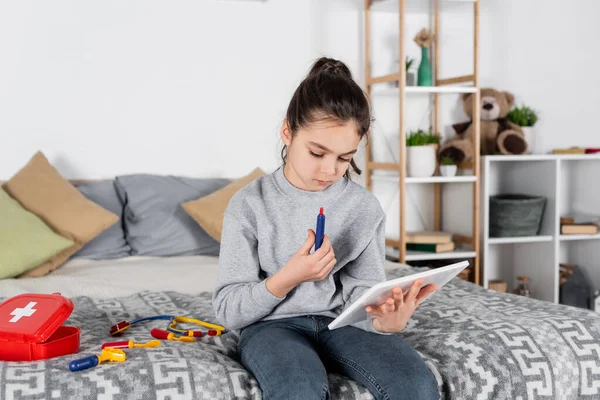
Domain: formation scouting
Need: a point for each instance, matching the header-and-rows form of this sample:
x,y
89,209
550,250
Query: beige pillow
x,y
208,211
40,189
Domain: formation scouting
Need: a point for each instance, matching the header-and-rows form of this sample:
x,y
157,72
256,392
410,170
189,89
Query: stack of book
x,y
579,225
577,150
431,242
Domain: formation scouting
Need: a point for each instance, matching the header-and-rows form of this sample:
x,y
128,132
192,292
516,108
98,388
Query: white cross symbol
x,y
23,312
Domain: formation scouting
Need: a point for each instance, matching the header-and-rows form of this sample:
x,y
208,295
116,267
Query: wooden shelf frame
x,y
400,77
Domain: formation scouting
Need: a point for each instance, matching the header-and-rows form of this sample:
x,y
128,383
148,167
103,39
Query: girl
x,y
281,295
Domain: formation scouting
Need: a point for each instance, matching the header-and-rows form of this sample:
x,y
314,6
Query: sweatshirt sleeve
x,y
240,297
365,271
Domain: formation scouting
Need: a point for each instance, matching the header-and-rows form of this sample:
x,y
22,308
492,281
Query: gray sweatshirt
x,y
265,224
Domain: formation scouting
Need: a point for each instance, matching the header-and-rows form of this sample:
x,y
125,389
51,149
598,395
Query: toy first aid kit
x,y
31,327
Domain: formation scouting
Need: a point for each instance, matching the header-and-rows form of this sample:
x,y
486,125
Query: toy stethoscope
x,y
213,330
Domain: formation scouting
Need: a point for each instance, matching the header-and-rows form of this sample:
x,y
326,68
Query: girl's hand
x,y
303,266
394,313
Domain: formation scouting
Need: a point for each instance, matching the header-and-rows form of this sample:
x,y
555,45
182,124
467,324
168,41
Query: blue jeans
x,y
290,359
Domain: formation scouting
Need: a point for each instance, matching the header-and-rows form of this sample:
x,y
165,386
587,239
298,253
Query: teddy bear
x,y
498,135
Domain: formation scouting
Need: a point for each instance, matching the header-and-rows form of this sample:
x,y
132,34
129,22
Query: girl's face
x,y
319,155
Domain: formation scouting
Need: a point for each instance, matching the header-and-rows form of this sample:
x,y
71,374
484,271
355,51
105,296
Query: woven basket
x,y
516,215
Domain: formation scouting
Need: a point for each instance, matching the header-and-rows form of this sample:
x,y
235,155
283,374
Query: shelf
x,y
543,157
443,179
391,6
390,91
521,239
424,256
392,87
567,238
440,89
431,179
566,181
421,255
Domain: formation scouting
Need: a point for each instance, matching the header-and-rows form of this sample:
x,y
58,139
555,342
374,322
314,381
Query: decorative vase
x,y
420,161
448,170
529,133
424,73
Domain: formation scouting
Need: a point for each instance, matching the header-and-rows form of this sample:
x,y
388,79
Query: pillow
x,y
155,223
25,240
111,243
40,189
208,211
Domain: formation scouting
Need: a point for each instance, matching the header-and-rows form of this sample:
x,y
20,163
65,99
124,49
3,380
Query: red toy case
x,y
31,327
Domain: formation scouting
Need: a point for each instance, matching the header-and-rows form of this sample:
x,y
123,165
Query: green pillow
x,y
25,240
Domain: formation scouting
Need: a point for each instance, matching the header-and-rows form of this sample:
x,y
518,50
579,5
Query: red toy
x,y
164,335
31,327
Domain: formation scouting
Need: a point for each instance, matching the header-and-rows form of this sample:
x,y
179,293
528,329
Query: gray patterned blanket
x,y
479,344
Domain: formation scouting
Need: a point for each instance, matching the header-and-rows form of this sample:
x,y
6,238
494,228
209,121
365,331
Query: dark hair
x,y
328,92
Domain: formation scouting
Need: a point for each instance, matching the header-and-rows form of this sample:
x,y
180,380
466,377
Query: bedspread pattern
x,y
479,344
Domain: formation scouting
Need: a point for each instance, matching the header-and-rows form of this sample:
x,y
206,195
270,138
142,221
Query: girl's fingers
x,y
329,267
326,259
387,307
324,249
426,291
373,311
398,296
414,290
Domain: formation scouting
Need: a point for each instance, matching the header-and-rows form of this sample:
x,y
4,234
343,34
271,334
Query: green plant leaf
x,y
447,160
421,138
523,116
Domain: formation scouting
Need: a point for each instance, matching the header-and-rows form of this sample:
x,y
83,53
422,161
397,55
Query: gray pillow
x,y
111,243
156,224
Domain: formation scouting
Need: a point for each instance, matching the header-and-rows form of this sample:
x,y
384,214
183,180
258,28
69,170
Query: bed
x,y
161,258
478,343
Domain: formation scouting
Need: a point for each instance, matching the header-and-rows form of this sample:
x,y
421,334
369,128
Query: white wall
x,y
548,55
113,87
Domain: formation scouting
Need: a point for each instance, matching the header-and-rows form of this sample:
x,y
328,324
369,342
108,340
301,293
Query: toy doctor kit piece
x,y
213,330
31,327
320,232
164,335
129,344
114,355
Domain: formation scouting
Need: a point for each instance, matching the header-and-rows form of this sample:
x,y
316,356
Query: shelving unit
x,y
567,183
467,246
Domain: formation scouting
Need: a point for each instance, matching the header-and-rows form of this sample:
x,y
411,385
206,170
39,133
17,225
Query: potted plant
x,y
421,149
448,167
411,78
525,117
410,75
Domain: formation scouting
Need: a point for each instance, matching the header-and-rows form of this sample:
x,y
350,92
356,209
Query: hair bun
x,y
330,66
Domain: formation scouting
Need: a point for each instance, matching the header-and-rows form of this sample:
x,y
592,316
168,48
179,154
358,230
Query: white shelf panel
x,y
431,179
521,239
567,238
421,255
543,157
392,91
443,179
391,6
440,89
411,255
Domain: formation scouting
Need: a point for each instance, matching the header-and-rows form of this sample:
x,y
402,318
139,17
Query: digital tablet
x,y
380,292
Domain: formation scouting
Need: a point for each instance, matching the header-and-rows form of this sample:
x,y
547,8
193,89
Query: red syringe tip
x,y
159,334
321,211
